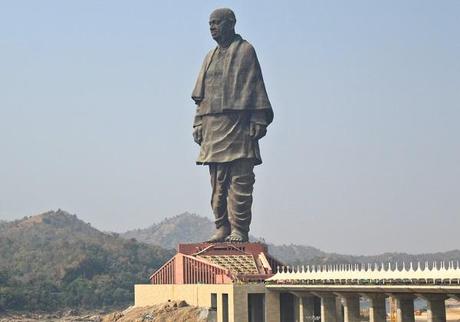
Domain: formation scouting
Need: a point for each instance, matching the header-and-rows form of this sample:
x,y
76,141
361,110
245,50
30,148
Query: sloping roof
x,y
237,264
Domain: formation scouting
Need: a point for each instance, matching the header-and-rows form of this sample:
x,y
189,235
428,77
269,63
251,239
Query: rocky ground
x,y
169,312
173,311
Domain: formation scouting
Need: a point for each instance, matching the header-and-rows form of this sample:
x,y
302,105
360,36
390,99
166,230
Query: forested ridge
x,y
54,260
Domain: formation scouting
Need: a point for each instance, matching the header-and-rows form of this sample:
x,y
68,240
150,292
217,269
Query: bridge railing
x,y
435,273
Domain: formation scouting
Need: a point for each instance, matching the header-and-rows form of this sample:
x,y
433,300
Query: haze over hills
x,y
189,228
54,260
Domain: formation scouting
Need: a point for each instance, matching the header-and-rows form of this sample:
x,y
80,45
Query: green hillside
x,y
54,260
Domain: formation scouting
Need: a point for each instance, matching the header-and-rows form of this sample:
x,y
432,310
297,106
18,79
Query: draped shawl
x,y
243,85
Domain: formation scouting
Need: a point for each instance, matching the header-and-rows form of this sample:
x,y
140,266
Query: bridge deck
x,y
386,289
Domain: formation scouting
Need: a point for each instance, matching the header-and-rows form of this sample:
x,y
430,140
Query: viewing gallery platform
x,y
337,289
372,274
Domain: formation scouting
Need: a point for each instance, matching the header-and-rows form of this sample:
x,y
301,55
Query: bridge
x,y
331,293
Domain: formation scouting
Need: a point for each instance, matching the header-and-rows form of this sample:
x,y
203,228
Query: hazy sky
x,y
363,155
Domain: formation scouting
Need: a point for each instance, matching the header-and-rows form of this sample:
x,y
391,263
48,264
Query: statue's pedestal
x,y
227,278
217,263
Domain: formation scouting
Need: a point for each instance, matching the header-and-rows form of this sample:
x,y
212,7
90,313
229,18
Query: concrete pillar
x,y
220,308
351,311
377,309
305,311
436,307
328,307
272,306
405,308
240,305
297,304
339,309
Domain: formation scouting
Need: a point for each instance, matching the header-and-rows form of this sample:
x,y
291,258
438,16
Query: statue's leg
x,y
220,182
240,199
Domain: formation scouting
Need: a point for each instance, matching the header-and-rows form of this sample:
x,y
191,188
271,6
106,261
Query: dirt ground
x,y
452,315
174,311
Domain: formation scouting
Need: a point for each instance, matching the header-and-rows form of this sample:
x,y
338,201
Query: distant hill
x,y
295,253
54,260
191,228
168,233
188,228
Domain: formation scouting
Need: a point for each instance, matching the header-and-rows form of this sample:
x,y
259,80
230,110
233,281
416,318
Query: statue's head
x,y
222,24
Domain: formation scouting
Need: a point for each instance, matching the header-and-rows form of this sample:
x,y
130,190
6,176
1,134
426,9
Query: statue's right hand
x,y
197,134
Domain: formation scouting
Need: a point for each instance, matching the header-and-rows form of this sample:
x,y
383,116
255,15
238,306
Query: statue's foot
x,y
237,236
220,235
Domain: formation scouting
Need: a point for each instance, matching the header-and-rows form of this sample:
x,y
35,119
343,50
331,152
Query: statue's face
x,y
220,26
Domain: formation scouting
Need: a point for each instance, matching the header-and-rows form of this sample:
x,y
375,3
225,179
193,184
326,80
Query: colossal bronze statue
x,y
232,115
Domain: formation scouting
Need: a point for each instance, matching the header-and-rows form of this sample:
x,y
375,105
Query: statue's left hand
x,y
198,134
257,131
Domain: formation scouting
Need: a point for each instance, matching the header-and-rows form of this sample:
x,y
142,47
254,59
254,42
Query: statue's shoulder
x,y
246,49
246,44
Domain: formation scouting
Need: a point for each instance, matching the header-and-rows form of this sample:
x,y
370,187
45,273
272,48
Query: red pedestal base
x,y
217,263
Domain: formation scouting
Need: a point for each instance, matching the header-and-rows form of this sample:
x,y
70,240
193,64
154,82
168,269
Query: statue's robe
x,y
230,94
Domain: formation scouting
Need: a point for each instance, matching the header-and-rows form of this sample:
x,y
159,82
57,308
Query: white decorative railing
x,y
370,274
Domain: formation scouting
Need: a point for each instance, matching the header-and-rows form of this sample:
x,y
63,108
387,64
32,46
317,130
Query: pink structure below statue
x,y
217,263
